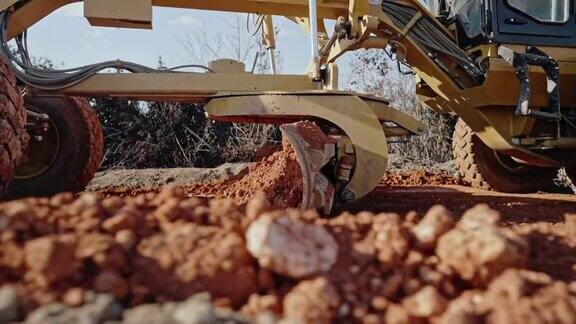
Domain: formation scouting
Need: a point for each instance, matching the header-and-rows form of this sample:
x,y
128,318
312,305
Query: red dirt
x,y
53,249
514,208
456,264
417,178
278,176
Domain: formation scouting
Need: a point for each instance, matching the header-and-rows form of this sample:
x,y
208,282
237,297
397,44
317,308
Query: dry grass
x,y
166,135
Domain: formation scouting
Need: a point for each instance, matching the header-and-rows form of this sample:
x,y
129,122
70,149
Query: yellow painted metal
x,y
486,108
227,66
34,10
184,86
294,8
350,113
268,36
5,4
124,13
30,13
385,112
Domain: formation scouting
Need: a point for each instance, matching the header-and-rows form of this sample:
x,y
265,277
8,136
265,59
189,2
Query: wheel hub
x,y
43,147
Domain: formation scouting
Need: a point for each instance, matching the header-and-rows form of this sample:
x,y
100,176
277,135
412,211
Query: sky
x,y
65,37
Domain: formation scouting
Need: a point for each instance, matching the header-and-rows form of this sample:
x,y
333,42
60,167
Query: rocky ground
x,y
173,255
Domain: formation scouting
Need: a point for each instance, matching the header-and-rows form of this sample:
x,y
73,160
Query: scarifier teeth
x,y
314,150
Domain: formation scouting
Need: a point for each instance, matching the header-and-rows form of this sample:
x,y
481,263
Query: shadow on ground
x,y
514,208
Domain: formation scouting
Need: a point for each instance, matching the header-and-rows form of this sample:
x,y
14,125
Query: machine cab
x,y
534,22
541,22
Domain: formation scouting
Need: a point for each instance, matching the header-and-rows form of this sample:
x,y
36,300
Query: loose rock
x,y
150,313
467,308
519,294
189,259
98,308
198,309
313,301
387,239
425,303
111,282
73,297
351,268
478,250
50,259
391,239
290,247
8,304
435,223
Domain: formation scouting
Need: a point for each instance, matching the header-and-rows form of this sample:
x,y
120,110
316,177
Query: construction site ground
x,y
224,245
404,190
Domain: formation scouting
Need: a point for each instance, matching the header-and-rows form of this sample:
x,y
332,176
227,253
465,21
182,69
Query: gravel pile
x,y
167,258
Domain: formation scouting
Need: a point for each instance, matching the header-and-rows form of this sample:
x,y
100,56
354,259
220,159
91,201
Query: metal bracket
x,y
521,63
411,24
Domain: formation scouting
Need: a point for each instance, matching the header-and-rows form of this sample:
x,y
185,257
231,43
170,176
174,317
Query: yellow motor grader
x,y
504,67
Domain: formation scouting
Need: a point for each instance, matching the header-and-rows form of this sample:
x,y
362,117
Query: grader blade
x,y
338,168
314,150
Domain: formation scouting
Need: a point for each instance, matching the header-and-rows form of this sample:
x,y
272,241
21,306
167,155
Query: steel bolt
x,y
348,195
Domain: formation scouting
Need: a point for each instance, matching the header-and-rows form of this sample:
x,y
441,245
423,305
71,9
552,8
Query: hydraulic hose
x,y
57,79
427,35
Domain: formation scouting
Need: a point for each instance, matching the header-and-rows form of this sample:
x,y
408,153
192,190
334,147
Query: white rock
x,y
435,223
199,309
290,247
479,250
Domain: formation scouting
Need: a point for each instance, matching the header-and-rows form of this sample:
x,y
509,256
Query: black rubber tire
x,y
479,165
80,152
13,135
571,173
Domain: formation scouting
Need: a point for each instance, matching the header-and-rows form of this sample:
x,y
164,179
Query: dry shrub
x,y
373,72
165,135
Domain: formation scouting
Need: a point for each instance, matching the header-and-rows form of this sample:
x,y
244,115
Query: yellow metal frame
x,y
486,109
193,87
360,118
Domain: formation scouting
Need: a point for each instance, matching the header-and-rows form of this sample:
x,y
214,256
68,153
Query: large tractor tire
x,y
571,173
65,152
13,136
487,169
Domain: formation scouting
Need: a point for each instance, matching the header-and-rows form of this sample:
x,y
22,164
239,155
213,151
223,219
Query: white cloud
x,y
186,21
74,10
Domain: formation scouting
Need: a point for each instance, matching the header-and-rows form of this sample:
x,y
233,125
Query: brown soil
x,y
418,177
278,176
113,180
393,257
158,247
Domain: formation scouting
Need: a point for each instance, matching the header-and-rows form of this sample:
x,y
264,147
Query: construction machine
x,y
504,67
